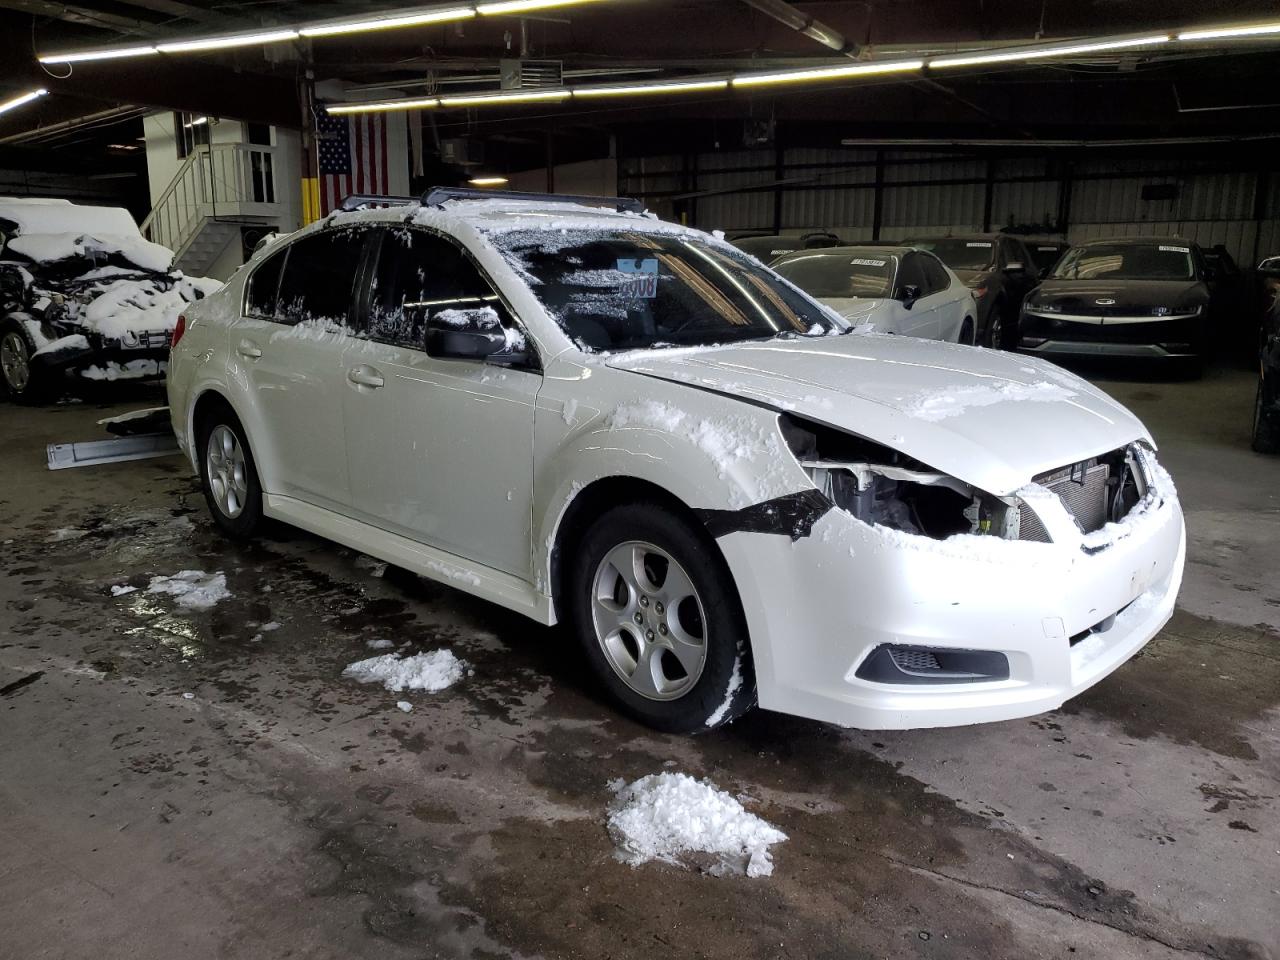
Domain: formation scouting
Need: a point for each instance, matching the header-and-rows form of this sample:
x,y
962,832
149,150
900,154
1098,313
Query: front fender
x,y
714,453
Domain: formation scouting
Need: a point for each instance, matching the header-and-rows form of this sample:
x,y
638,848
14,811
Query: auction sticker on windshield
x,y
643,282
979,243
1168,249
858,262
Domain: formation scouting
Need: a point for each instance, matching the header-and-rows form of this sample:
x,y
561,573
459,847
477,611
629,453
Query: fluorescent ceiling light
x,y
19,101
523,6
827,73
387,23
198,121
113,53
223,43
513,96
675,86
382,106
1039,53
487,181
1224,33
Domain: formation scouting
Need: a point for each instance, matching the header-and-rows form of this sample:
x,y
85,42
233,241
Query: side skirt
x,y
465,575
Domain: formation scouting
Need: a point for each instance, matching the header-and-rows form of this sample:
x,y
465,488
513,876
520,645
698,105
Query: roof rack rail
x,y
366,201
438,195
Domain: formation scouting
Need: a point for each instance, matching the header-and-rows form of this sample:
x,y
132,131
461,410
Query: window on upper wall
x,y
191,130
258,133
320,276
420,275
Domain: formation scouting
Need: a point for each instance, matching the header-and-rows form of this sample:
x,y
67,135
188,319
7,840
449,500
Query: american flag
x,y
352,157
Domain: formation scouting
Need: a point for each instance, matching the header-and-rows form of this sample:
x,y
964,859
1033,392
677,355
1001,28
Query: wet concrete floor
x,y
199,784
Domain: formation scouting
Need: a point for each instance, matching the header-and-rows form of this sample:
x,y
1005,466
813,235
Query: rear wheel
x,y
657,615
995,327
228,475
1266,421
20,381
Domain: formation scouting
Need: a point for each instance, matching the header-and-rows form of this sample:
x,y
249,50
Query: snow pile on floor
x,y
120,590
193,589
667,816
382,643
431,672
938,405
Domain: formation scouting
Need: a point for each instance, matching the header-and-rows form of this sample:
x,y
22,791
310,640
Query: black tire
x,y
1266,425
995,334
725,687
35,388
243,523
966,333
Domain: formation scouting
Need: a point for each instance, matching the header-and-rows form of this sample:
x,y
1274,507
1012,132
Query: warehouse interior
x,y
207,781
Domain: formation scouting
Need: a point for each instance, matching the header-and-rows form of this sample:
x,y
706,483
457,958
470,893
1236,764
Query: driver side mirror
x,y
472,334
909,293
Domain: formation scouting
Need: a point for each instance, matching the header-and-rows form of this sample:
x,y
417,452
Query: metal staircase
x,y
217,190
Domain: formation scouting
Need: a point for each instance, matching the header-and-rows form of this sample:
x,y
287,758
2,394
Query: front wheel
x,y
1266,422
228,475
20,381
995,327
656,612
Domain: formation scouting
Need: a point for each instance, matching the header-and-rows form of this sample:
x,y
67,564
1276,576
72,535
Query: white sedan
x,y
886,290
587,415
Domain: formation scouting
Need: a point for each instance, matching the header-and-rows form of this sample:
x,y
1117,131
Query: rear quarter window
x,y
264,284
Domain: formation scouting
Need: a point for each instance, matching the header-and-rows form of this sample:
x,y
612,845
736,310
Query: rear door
x,y
286,351
440,451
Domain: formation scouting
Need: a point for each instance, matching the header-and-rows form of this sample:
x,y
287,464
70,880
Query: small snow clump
x,y
193,589
431,672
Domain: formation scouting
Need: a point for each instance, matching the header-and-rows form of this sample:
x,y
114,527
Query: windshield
x,y
840,276
959,253
631,290
1127,261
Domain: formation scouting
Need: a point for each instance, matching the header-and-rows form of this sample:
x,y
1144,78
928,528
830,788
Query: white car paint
x,y
938,315
463,471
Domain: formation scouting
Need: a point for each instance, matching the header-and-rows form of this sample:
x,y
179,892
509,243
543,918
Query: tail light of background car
x,y
179,329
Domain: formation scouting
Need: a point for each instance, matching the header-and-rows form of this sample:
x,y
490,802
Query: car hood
x,y
1127,296
991,419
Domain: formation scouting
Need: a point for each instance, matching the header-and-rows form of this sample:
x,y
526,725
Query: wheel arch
x,y
208,398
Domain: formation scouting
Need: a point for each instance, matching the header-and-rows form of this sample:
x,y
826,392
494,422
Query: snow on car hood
x,y
991,419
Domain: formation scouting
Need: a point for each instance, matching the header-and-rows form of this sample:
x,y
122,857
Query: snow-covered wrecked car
x,y
83,293
585,414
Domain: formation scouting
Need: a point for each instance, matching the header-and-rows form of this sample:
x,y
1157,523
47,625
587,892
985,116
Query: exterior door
x,y
288,349
440,451
921,320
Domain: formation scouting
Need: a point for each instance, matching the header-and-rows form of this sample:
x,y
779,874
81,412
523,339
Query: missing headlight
x,y
882,487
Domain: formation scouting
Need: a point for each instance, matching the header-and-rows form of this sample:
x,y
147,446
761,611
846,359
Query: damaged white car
x,y
83,294
587,415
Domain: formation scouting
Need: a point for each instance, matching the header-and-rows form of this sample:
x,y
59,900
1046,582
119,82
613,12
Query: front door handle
x,y
365,377
249,350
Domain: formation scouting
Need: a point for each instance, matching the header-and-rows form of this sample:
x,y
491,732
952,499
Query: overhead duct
x,y
802,22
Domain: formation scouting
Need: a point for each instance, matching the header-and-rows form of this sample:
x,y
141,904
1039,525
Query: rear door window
x,y
420,275
320,277
264,284
935,273
912,274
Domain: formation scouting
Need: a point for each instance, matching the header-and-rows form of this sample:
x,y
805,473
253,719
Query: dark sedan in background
x,y
1266,410
997,268
1128,297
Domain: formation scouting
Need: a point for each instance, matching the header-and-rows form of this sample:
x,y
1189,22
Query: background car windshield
x,y
630,290
1127,261
960,254
840,276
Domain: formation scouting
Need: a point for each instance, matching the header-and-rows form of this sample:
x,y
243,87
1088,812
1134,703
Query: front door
x,y
440,451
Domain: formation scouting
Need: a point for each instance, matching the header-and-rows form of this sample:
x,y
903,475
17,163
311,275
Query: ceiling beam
x,y
84,16
174,8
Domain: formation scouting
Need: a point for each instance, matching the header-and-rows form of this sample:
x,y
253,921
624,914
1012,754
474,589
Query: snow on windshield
x,y
615,288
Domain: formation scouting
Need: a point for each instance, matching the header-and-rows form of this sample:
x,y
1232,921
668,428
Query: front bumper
x,y
818,607
1101,336
97,354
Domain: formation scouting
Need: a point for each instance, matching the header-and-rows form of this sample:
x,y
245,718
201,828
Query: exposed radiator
x,y
1083,490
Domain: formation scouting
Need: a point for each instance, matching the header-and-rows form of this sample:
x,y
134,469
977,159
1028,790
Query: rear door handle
x,y
249,350
365,377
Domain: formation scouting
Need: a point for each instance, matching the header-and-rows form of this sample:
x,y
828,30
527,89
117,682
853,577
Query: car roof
x,y
1135,240
964,236
851,249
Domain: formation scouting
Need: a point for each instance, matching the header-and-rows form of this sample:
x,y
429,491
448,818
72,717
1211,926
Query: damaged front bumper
x,y
842,618
100,353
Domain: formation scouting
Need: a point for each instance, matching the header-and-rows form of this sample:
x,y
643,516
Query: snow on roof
x,y
52,230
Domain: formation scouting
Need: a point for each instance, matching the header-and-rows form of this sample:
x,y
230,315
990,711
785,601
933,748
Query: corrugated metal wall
x,y
927,192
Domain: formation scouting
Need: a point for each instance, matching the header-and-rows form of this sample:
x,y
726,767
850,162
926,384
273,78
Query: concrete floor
x,y
186,785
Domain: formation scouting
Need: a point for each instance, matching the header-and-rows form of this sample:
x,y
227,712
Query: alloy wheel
x,y
14,361
649,620
225,467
